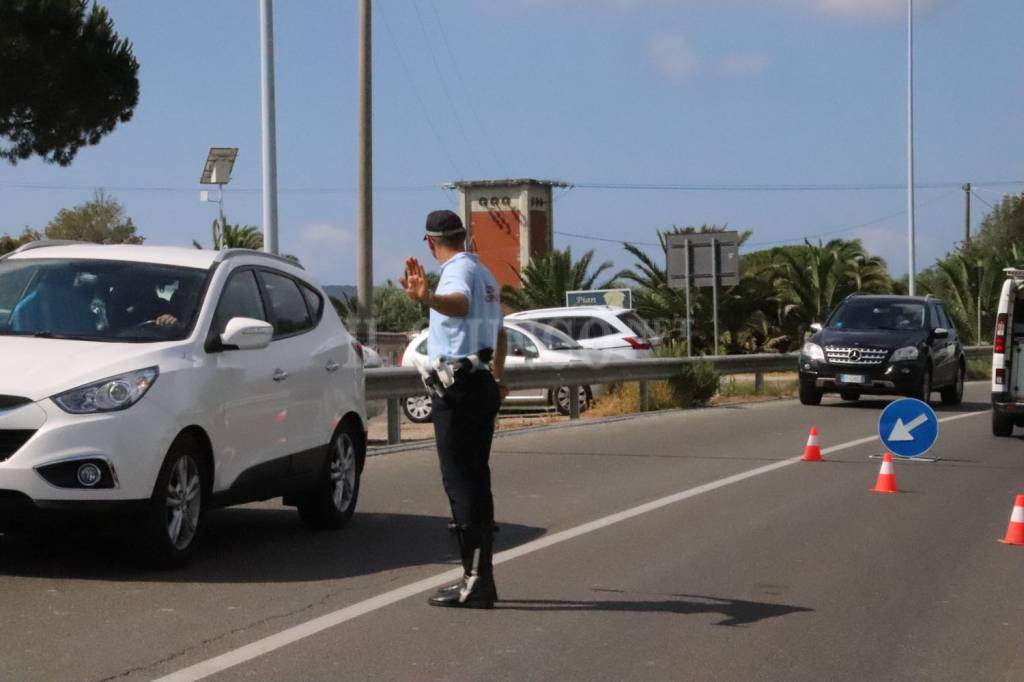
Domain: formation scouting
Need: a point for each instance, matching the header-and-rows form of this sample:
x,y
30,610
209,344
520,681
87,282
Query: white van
x,y
1008,357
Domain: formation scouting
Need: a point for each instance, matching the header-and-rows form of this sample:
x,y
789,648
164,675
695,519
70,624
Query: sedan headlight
x,y
905,353
813,351
109,395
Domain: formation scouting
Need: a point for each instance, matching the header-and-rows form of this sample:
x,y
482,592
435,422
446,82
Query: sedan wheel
x,y
418,409
561,399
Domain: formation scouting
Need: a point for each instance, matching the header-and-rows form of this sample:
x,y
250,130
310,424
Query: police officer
x,y
467,336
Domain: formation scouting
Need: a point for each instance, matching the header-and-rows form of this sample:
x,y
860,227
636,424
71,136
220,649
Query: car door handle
x,y
280,375
332,366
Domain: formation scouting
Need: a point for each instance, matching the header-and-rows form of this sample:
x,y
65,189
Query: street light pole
x,y
268,126
912,271
364,209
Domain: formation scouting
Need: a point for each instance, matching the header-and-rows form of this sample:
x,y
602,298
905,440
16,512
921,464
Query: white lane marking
x,y
309,628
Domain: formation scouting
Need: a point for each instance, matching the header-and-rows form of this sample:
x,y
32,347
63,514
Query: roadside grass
x,y
979,370
777,386
624,399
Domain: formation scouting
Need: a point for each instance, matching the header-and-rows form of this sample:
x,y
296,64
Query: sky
x,y
735,100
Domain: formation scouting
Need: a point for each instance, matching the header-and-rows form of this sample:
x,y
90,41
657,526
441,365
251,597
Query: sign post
x,y
705,259
909,428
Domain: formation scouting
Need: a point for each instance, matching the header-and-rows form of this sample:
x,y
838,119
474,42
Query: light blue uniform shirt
x,y
457,337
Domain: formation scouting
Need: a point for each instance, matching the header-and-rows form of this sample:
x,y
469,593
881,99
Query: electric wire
x,y
780,188
462,82
444,87
233,190
982,200
415,90
778,242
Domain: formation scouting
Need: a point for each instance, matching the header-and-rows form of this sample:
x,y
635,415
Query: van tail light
x,y
636,343
358,348
1000,337
1000,377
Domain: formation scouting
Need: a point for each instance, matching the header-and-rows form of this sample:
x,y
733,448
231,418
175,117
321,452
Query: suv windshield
x,y
888,315
98,300
552,338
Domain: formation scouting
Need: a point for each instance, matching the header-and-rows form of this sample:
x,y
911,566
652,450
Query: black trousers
x,y
464,428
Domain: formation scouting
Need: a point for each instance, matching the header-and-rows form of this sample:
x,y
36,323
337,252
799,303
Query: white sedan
x,y
529,343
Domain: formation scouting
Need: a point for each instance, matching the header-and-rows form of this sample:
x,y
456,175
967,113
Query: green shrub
x,y
695,385
979,370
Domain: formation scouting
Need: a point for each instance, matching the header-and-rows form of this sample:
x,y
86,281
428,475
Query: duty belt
x,y
439,377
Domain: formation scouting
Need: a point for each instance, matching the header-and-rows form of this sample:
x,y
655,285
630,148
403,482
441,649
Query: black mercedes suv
x,y
884,345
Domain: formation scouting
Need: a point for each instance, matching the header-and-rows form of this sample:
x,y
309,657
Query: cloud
x,y
673,57
868,9
325,234
325,250
871,10
742,64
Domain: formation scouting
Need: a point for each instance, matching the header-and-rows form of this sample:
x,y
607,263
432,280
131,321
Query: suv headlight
x,y
109,395
905,353
813,351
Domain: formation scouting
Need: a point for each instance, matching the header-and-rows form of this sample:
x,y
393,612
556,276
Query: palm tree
x,y
545,279
810,280
968,282
228,236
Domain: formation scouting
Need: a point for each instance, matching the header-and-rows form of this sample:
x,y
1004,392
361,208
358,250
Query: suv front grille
x,y
11,441
841,355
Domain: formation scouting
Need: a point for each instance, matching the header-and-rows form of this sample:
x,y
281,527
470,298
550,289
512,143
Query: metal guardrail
x,y
394,383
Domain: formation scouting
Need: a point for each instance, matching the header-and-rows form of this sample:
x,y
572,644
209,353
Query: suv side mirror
x,y
940,333
245,333
531,353
816,327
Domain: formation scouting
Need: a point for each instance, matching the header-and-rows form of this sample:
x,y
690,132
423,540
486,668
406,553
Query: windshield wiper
x,y
63,337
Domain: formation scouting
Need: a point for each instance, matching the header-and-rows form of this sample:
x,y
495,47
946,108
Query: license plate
x,y
852,379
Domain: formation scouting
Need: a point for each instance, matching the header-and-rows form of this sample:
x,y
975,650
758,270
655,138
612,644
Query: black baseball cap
x,y
444,224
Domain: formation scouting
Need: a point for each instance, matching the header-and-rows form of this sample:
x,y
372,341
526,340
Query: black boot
x,y
476,589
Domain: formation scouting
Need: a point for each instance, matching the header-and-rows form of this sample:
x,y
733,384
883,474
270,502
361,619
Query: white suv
x,y
620,332
154,383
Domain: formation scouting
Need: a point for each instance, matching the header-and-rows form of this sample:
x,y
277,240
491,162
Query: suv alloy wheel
x,y
331,504
171,527
954,395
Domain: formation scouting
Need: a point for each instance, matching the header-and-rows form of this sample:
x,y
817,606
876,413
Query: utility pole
x,y
364,210
912,270
967,213
268,126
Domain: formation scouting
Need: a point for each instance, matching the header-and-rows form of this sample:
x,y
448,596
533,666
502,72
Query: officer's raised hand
x,y
414,281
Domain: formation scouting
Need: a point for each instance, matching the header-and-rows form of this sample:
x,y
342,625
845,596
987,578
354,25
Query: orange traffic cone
x,y
886,482
812,453
1015,531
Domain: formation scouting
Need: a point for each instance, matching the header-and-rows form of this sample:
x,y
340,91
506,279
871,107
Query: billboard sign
x,y
695,255
617,298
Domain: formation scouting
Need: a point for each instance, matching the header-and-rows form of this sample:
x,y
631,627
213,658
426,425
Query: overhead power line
x,y
779,242
786,188
444,87
415,90
975,194
234,190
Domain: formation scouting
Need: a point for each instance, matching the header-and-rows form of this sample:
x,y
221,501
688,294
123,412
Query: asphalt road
x,y
785,571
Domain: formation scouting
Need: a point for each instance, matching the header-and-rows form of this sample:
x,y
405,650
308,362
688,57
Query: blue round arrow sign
x,y
908,427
